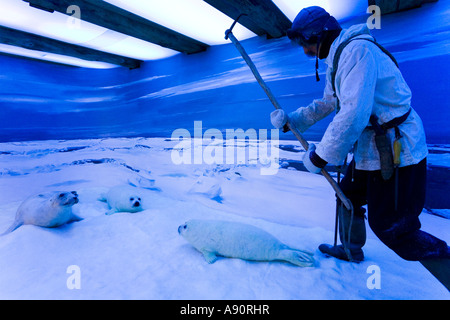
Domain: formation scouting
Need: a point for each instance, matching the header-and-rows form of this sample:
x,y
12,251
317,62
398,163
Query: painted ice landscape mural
x,y
75,129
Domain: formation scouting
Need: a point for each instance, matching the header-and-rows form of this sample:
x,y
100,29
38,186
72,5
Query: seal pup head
x,y
188,228
65,199
135,203
196,231
182,228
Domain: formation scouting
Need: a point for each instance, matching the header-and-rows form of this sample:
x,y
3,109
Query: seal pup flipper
x,y
13,227
110,212
297,257
103,198
75,218
210,257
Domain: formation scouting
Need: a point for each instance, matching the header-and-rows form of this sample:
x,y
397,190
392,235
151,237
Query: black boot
x,y
352,233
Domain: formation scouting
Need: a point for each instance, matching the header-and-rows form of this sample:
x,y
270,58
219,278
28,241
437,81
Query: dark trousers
x,y
398,229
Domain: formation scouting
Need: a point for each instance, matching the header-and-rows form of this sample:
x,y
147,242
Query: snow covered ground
x,y
141,255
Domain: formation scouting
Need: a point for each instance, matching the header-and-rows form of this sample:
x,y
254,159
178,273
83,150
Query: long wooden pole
x,y
290,125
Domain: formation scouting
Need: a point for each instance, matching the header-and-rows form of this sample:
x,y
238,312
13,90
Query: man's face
x,y
310,50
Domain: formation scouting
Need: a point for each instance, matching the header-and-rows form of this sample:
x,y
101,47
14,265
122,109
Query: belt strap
x,y
382,128
396,121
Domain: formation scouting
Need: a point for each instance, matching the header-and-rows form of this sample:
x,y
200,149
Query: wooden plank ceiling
x,y
263,18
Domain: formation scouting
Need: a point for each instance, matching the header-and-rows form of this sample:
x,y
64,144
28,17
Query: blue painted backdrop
x,y
46,101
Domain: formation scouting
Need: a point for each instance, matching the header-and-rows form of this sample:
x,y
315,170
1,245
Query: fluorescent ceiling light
x,y
292,7
193,18
339,9
20,16
54,57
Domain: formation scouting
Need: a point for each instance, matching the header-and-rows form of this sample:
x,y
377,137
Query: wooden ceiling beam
x,y
39,43
106,15
391,6
263,16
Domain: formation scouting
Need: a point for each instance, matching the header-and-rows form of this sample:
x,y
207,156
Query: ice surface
x,y
141,255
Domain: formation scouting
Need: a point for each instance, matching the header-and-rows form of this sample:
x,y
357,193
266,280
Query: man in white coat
x,y
372,102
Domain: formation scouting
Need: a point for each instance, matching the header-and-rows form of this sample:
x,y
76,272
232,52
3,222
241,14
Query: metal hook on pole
x,y
232,26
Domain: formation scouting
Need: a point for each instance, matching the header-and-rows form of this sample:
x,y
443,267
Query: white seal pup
x,y
237,240
123,199
50,210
